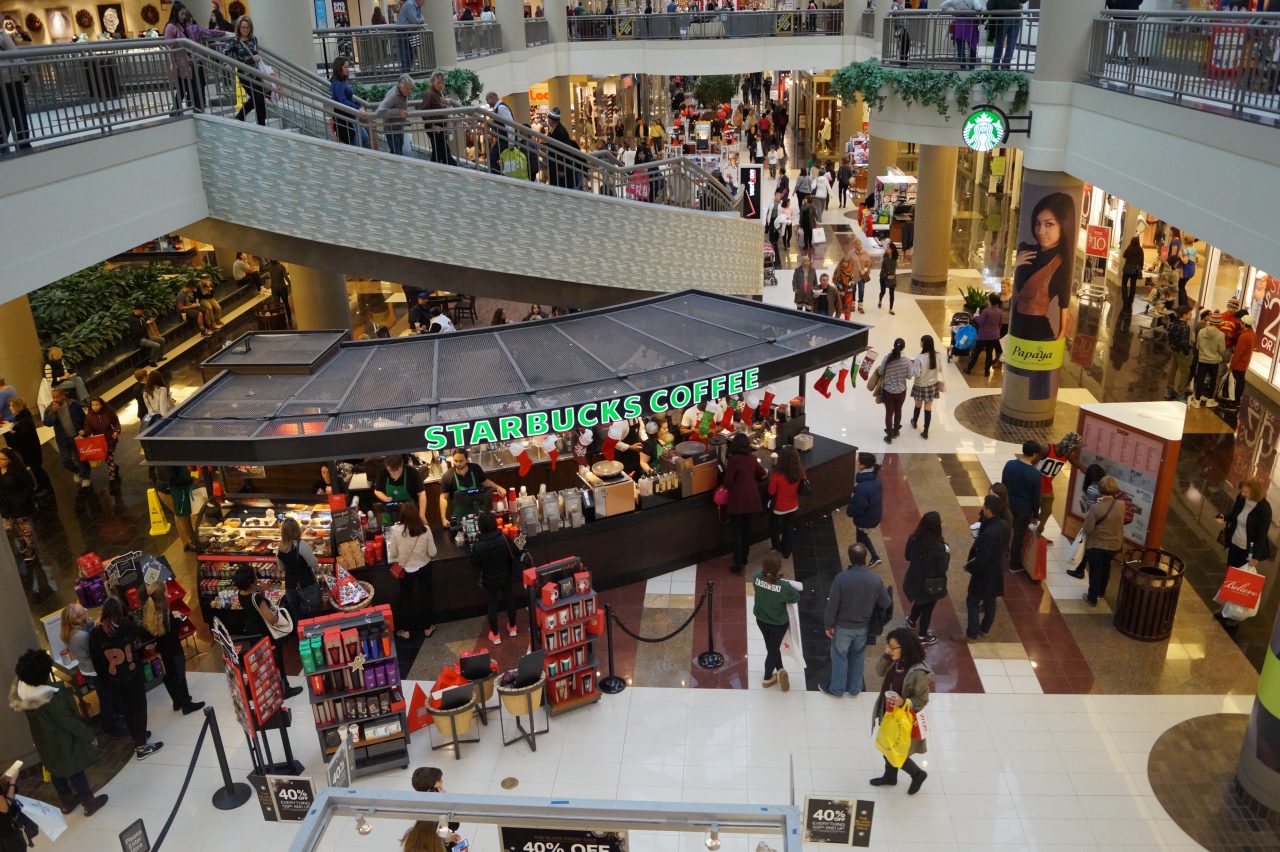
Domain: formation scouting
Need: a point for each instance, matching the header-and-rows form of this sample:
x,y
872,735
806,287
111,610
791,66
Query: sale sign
x,y
1097,241
1242,588
1268,320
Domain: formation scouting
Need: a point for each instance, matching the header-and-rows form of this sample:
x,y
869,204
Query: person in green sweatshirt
x,y
772,594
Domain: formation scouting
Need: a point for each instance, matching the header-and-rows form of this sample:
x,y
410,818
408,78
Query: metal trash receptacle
x,y
1147,600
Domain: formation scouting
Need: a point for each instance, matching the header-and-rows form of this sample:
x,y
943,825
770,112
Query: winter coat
x,y
804,284
192,32
915,688
740,475
24,439
116,657
1104,525
65,440
104,423
17,493
924,562
493,555
1257,525
1242,354
64,741
866,504
987,559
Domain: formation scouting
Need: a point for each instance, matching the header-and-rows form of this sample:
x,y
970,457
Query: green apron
x,y
455,506
399,493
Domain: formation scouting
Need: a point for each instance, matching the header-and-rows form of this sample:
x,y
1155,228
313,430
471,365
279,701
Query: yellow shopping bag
x,y
240,94
893,740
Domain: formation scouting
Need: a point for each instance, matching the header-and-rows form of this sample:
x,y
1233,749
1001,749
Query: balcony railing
x,y
1208,60
928,39
867,25
379,53
706,25
477,38
78,92
536,31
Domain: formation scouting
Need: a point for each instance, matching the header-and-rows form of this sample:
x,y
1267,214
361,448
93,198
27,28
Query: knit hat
x,y
1215,318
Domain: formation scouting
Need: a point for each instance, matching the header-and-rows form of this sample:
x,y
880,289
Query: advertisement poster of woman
x,y
1043,277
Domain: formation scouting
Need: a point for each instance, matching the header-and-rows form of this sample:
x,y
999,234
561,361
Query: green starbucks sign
x,y
985,128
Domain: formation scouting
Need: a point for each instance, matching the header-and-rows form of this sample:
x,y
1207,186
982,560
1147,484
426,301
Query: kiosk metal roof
x,y
370,397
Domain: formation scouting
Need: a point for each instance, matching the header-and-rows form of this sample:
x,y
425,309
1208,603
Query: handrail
x,y
536,31
477,38
283,68
926,38
126,82
1218,61
706,25
381,52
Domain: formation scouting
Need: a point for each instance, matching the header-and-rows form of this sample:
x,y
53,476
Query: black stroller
x,y
964,335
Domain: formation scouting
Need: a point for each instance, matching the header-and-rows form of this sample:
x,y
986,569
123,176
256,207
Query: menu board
x,y
1133,458
263,677
346,538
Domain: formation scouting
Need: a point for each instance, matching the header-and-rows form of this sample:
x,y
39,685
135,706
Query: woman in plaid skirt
x,y
926,385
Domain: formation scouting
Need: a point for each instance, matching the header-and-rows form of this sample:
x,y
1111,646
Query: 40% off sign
x,y
561,840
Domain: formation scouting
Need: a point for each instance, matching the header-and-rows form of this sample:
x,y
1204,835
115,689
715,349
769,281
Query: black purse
x,y
805,488
24,824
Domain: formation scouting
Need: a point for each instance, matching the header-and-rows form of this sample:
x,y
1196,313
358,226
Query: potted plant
x,y
975,298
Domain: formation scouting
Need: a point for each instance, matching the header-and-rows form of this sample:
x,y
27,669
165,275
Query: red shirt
x,y
784,491
1049,467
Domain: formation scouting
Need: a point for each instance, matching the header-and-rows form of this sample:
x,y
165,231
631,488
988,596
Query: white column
x,y
21,362
17,635
511,19
439,16
931,255
282,26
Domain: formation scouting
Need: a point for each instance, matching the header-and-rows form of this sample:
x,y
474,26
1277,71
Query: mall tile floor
x,y
1040,733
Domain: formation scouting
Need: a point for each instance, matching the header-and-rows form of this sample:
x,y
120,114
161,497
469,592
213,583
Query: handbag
x,y
805,488
874,382
92,448
397,570
25,825
721,496
935,587
282,626
941,386
309,600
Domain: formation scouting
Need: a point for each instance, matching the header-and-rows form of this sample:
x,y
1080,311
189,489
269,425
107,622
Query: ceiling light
x,y
713,838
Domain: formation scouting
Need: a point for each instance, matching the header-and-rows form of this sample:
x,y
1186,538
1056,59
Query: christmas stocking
x,y
844,375
823,384
748,411
726,422
766,404
521,452
616,431
552,449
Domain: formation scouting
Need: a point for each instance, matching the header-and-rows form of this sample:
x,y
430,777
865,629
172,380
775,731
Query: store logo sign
x,y
534,424
985,128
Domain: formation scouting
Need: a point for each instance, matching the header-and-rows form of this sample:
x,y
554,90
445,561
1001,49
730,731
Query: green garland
x,y
461,83
929,87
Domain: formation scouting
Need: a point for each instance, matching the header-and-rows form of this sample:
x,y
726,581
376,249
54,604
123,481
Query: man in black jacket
x,y
148,342
986,568
420,313
1005,29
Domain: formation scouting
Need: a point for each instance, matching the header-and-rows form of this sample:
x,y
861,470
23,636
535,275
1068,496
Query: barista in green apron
x,y
465,476
399,484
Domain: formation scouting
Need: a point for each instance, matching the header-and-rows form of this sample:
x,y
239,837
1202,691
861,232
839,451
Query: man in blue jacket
x,y
866,503
855,594
1022,478
66,416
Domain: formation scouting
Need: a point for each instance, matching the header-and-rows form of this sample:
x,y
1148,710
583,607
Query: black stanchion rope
x,y
671,635
204,729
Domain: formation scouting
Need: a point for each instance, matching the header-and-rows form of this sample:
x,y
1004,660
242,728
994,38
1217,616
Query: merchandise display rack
x,y
562,627
353,678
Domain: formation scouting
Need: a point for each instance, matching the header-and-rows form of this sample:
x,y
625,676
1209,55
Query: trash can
x,y
1150,580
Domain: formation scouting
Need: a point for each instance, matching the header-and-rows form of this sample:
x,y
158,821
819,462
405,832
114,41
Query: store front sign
x,y
534,424
1034,354
985,128
560,840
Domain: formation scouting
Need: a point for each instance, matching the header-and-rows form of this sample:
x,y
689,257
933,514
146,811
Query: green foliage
x,y
87,313
975,298
711,90
930,87
461,83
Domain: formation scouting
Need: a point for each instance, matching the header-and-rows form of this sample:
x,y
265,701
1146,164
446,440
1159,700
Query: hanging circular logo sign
x,y
985,128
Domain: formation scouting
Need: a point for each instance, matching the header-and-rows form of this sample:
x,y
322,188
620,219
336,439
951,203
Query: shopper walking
x,y
907,677
844,177
14,113
345,125
888,276
17,505
1241,355
926,383
784,499
164,627
808,221
742,471
928,557
76,626
866,504
1180,345
1103,539
854,596
988,322
1246,526
430,779
117,658
281,289
1134,259
411,545
26,441
66,416
804,284
173,487
101,419
258,613
894,372
862,264
494,557
1022,478
302,596
66,745
244,48
181,27
409,15
434,98
821,193
772,594
984,566
1211,346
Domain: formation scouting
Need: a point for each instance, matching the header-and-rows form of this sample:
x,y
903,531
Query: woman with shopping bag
x,y
907,679
101,422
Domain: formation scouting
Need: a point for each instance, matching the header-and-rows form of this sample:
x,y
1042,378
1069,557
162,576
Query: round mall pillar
x,y
320,298
1258,771
438,15
931,253
1044,278
21,360
283,26
17,635
882,154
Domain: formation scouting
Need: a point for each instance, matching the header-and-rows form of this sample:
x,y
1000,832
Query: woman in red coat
x,y
101,419
741,473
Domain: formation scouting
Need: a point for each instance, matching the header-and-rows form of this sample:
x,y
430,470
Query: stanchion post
x,y
231,794
711,658
612,684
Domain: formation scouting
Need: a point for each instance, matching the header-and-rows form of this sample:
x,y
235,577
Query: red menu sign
x,y
1097,241
264,681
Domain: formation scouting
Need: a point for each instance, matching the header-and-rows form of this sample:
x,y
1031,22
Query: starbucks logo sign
x,y
985,128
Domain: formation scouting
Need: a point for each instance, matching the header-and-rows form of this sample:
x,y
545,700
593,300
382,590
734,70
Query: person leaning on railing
x,y
392,112
434,99
349,132
13,109
190,79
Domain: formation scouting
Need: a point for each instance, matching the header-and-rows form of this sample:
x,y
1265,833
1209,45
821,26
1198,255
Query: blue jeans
x,y
395,143
1006,40
848,651
859,290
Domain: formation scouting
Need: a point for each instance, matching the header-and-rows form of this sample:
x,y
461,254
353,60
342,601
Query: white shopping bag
x,y
792,651
1076,550
51,821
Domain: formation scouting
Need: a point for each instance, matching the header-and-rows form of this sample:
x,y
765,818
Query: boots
x,y
915,418
888,779
67,804
928,417
92,806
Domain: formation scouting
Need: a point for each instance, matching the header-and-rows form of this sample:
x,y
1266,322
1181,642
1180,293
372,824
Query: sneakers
x,y
494,638
911,622
143,752
1017,569
784,680
826,690
769,681
94,805
928,639
874,562
1193,402
1210,403
511,630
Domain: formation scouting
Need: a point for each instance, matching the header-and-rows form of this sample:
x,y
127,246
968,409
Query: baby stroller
x,y
964,334
770,261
